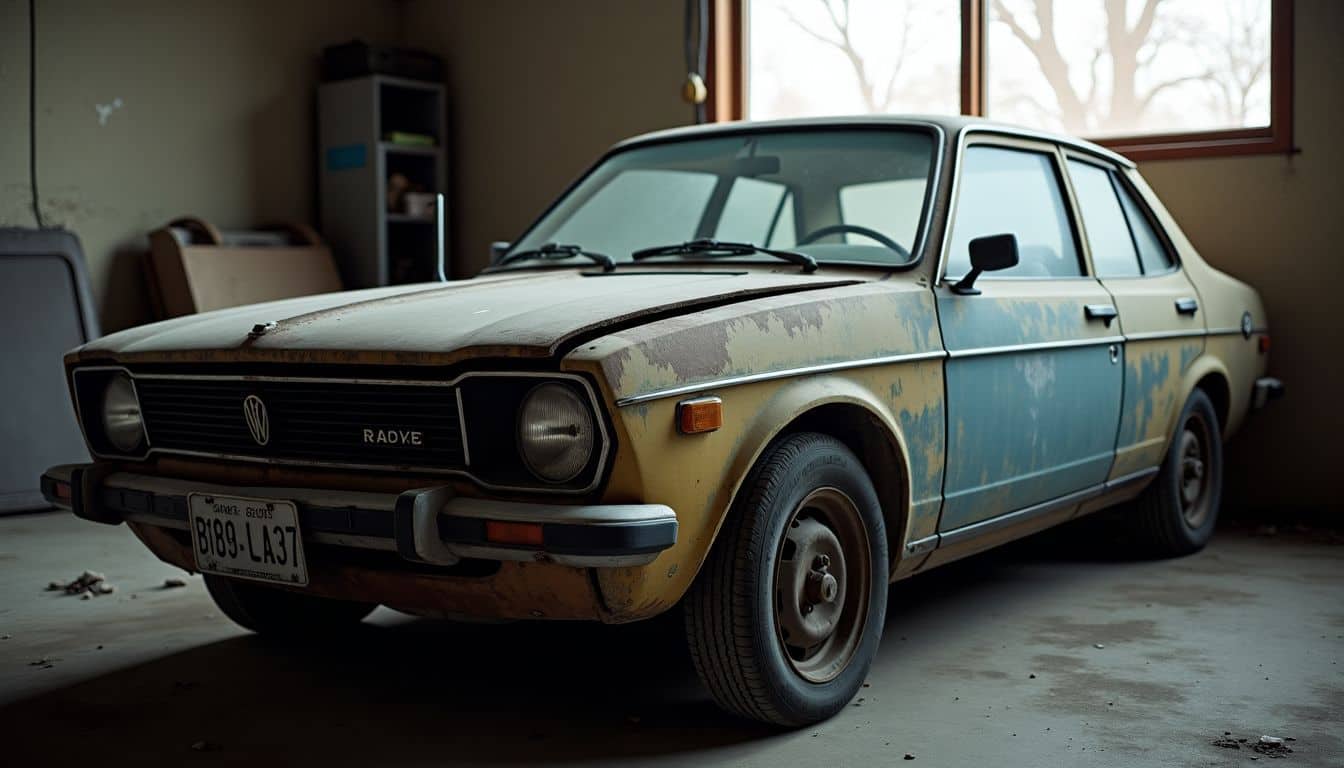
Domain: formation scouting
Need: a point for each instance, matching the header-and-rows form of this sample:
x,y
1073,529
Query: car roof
x,y
952,125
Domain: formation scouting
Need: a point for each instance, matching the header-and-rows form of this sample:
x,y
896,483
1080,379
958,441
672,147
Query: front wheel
x,y
1177,513
784,619
273,611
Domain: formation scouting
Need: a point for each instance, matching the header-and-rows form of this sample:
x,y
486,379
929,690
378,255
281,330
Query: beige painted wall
x,y
216,118
1278,223
537,89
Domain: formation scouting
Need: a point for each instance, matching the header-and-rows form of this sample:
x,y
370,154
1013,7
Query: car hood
x,y
516,314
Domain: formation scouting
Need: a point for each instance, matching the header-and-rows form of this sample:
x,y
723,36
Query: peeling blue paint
x,y
926,439
1026,428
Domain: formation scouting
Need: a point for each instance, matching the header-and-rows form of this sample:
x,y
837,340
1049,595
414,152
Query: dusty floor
x,y
1134,664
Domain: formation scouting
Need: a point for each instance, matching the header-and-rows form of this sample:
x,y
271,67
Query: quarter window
x,y
1113,253
1010,191
1153,254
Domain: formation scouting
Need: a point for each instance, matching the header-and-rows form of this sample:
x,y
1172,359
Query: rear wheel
x,y
785,616
272,611
1177,513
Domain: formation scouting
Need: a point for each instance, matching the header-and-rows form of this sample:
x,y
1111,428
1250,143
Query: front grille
x,y
318,421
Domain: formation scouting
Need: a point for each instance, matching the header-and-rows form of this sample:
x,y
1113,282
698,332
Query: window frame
x,y
1122,186
729,48
1072,214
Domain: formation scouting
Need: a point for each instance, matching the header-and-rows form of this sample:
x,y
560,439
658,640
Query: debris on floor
x,y
1272,746
909,756
174,583
88,583
1269,746
1098,645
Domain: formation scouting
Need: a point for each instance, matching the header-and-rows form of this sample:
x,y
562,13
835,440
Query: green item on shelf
x,y
410,139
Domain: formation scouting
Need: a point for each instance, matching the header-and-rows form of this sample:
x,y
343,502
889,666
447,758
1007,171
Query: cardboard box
x,y
193,267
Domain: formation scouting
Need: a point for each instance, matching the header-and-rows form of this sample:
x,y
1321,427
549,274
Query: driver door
x,y
1034,373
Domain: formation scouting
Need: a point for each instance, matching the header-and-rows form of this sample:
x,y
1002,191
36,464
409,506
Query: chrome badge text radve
x,y
412,437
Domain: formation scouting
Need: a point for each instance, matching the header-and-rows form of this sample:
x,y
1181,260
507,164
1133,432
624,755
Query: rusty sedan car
x,y
752,372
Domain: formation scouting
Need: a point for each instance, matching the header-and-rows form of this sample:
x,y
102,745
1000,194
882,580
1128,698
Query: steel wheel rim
x,y
1193,447
823,569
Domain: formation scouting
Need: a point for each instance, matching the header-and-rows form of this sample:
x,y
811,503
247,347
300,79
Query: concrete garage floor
x,y
1246,637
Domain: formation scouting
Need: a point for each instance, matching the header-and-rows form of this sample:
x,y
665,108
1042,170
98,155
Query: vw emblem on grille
x,y
258,422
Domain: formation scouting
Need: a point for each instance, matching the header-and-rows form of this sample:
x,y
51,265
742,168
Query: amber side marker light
x,y
703,414
499,532
1264,343
62,491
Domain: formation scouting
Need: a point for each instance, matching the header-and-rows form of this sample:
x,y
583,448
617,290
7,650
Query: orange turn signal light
x,y
62,491
500,532
1264,343
703,414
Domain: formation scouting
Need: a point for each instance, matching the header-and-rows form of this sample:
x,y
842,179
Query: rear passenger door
x,y
1033,374
1159,309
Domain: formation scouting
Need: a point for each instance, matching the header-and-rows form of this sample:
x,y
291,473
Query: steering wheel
x,y
836,229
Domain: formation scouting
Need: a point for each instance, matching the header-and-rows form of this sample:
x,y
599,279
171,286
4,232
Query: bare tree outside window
x,y
1129,67
820,57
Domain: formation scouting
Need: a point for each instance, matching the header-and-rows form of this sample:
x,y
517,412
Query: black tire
x,y
278,612
735,608
1169,519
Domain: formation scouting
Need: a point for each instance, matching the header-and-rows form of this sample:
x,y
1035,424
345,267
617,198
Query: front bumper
x,y
430,526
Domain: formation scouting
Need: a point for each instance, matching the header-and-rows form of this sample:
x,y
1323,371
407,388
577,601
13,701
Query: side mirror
x,y
497,250
988,254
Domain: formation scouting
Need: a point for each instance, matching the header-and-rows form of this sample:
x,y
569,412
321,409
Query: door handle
x,y
1104,312
1186,306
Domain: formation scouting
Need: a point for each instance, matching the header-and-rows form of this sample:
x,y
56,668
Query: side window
x,y
752,208
1113,253
1154,255
886,206
1013,191
639,208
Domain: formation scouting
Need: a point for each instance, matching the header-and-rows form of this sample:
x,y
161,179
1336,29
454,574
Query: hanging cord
x,y
32,109
697,55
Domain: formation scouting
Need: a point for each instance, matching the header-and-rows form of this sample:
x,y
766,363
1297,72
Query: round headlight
x,y
555,433
122,424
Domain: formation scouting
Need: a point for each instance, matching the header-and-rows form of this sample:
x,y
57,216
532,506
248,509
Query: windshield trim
x,y
917,249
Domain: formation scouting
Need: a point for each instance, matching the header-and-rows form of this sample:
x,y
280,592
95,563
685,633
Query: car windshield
x,y
852,196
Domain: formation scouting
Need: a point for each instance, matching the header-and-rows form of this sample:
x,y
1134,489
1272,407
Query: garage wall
x,y
1276,223
216,118
223,92
537,89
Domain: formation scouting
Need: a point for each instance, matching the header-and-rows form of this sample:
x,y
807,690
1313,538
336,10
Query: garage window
x,y
1152,79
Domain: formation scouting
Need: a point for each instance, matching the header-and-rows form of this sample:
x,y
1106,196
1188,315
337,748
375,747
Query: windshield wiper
x,y
719,249
556,251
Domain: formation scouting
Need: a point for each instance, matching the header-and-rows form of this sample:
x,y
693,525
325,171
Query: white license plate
x,y
247,538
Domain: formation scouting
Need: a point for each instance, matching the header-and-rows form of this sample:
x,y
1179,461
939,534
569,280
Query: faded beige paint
x,y
510,314
710,468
